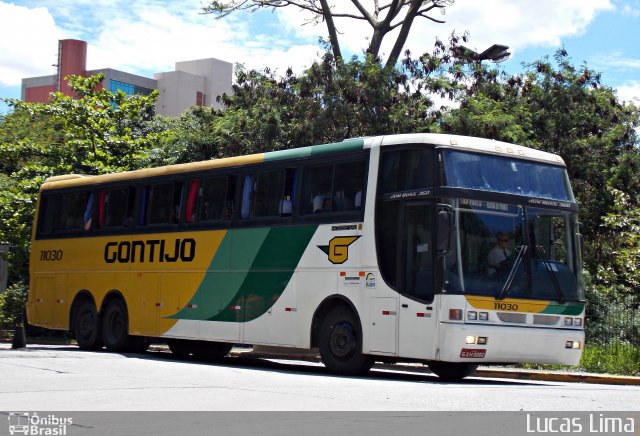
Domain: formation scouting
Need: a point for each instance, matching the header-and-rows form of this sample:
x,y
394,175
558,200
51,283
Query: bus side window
x,y
333,188
165,202
317,189
404,170
75,211
212,199
268,191
48,205
348,181
117,207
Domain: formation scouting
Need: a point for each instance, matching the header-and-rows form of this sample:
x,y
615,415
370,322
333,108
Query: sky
x,y
148,36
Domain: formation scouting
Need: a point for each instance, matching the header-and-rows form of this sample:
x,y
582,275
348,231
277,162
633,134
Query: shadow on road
x,y
277,364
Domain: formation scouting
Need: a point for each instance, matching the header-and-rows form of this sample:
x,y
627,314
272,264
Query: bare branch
x,y
370,18
331,28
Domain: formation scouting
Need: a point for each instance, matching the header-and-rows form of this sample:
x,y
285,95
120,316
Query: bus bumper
x,y
508,344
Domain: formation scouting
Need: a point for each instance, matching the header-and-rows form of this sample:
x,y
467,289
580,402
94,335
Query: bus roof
x,y
470,143
451,141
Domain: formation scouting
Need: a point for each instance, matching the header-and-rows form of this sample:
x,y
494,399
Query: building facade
x,y
192,83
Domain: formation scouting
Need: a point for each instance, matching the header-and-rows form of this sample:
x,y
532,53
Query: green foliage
x,y
12,303
329,102
619,266
618,358
95,133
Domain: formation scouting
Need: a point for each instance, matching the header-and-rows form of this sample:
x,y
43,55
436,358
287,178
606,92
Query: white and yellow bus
x,y
449,250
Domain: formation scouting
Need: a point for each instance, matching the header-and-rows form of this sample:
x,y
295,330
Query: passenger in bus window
x,y
321,203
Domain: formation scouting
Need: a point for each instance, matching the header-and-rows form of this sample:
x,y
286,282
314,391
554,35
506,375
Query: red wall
x,y
39,94
73,60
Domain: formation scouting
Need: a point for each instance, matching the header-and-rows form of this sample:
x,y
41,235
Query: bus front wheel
x,y
452,371
86,327
340,343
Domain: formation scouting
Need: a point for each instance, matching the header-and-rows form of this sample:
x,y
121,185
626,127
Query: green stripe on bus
x,y
315,150
564,309
248,274
270,273
226,274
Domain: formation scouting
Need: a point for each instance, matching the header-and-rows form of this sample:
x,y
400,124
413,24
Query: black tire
x,y
86,326
340,343
452,371
115,330
203,350
179,347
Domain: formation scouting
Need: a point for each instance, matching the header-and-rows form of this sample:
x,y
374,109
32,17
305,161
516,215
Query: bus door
x,y
417,317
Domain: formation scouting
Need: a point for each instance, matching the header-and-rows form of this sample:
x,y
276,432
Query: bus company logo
x,y
153,250
338,248
25,423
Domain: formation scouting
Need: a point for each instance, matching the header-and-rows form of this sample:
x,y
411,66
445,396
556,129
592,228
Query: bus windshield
x,y
505,250
506,175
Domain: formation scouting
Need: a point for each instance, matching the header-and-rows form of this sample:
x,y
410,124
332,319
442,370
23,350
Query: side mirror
x,y
444,223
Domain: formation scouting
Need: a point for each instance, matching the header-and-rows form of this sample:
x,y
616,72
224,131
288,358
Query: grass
x,y
619,358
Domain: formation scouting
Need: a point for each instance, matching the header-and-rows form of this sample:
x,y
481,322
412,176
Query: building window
x,y
128,88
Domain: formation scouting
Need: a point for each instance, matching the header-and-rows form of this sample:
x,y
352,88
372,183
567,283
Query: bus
x,y
448,250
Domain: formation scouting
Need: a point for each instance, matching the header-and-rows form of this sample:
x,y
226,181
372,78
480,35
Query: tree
x,y
382,18
95,133
329,102
560,108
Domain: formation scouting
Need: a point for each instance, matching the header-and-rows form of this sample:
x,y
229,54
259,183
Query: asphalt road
x,y
62,378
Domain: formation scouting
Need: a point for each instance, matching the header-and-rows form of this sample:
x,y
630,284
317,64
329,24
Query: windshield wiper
x,y
512,274
547,263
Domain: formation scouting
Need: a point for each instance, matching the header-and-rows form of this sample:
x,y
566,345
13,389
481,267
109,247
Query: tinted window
x,y
333,188
76,211
164,201
267,194
405,170
214,200
116,207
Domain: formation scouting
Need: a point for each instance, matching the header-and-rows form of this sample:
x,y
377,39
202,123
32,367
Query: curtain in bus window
x,y
190,214
88,213
143,206
246,197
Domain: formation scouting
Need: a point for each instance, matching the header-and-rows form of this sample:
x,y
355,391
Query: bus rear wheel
x,y
452,371
86,327
115,330
340,343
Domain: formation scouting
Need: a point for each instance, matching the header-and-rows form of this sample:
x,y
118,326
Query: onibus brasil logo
x,y
31,424
338,248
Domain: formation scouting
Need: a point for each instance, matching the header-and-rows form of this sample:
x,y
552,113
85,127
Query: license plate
x,y
469,353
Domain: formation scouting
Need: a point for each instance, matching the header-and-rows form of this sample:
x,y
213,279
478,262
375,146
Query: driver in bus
x,y
499,255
